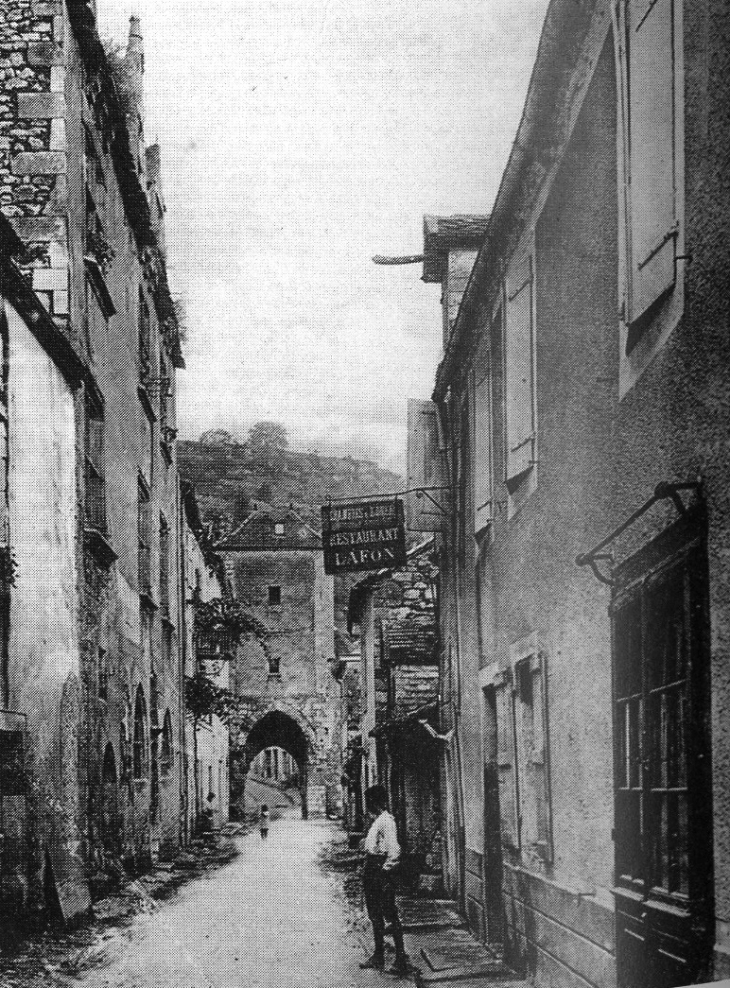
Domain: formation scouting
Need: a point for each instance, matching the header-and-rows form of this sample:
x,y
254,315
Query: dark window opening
x,y
95,506
164,564
167,759
103,669
274,596
144,334
144,537
139,742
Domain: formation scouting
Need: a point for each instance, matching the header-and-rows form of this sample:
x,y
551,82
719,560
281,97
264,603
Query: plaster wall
x,y
207,751
601,450
44,671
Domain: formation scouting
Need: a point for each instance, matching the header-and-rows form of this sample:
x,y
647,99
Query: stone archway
x,y
282,728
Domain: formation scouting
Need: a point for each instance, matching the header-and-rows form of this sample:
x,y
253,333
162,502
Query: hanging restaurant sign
x,y
363,535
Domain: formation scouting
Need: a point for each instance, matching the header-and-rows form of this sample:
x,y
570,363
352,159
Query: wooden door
x,y
663,820
493,908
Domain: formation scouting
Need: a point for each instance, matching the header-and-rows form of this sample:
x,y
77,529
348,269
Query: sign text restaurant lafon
x,y
363,535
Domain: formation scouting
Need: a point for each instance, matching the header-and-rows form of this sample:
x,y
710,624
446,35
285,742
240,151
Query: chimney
x,y
134,66
135,59
154,193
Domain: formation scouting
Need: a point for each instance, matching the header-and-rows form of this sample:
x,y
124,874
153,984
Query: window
x,y
530,754
273,661
167,643
482,415
103,673
144,334
144,529
140,761
662,754
95,505
651,708
167,759
426,469
279,528
94,168
465,492
650,148
519,373
274,596
164,565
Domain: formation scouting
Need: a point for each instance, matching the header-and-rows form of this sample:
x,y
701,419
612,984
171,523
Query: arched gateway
x,y
277,728
283,676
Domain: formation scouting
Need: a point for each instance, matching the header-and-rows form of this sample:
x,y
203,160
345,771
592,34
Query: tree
x,y
267,441
217,437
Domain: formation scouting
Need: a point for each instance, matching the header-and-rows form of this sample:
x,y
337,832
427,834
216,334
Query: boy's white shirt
x,y
382,839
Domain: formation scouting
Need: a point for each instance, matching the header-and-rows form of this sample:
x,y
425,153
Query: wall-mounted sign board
x,y
362,535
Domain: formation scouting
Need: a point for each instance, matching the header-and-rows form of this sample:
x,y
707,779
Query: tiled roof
x,y
273,528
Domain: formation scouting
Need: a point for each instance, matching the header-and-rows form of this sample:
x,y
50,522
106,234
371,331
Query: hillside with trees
x,y
231,475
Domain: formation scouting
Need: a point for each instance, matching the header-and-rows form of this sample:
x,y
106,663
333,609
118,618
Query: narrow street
x,y
272,917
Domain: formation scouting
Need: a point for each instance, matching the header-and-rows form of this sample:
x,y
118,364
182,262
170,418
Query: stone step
x,y
421,915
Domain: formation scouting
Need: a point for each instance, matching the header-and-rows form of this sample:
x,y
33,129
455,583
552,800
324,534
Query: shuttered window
x,y
652,205
481,389
426,469
519,373
523,761
506,766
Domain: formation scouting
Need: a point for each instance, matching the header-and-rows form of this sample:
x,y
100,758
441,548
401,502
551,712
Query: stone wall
x,y
77,197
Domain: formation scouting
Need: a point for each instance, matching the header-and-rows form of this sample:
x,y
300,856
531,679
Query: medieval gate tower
x,y
283,677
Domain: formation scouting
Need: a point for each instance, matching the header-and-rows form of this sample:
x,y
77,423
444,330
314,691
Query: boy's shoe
x,y
374,962
400,969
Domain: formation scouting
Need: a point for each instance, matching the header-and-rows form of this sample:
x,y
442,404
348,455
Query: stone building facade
x,y
284,678
40,658
395,611
83,194
203,581
582,405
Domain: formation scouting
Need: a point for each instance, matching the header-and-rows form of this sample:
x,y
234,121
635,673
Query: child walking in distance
x,y
382,855
264,821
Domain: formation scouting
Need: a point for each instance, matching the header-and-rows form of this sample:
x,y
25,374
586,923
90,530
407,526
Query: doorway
x,y
493,909
662,754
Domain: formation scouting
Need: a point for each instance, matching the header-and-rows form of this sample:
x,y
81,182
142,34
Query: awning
x,y
406,721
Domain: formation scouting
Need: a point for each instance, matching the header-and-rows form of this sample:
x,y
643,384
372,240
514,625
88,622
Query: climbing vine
x,y
227,618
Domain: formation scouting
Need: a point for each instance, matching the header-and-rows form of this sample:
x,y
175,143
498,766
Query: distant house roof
x,y
270,528
444,233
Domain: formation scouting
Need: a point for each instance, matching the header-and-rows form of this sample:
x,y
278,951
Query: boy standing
x,y
382,855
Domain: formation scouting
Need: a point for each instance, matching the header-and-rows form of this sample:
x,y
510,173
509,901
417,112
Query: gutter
x,y
17,292
561,30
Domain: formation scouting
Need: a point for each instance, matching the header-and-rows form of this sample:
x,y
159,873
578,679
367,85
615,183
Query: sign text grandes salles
x,y
363,535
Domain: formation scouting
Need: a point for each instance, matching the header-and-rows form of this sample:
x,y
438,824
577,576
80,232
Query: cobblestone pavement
x,y
279,915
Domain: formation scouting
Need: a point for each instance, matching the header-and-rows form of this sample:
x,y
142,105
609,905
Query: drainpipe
x,y
182,654
455,749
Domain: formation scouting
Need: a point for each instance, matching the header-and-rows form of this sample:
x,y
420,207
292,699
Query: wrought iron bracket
x,y
422,492
664,491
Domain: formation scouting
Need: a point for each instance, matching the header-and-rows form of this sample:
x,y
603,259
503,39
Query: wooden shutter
x,y
482,439
519,371
425,469
652,204
508,783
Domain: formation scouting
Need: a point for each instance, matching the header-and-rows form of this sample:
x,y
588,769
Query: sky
x,y
299,138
